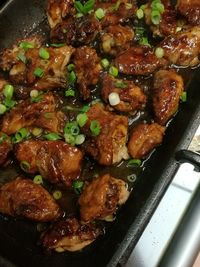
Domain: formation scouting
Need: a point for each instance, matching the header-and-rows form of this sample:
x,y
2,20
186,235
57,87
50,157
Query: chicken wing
x,y
54,160
102,197
23,198
131,96
183,48
144,138
167,90
138,61
5,147
109,147
70,235
30,114
190,9
88,68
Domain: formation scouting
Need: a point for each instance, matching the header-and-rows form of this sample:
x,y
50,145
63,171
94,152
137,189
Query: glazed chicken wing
x,y
190,9
70,235
101,198
131,96
109,147
88,68
183,48
29,114
54,160
138,61
23,198
116,38
144,138
167,90
5,147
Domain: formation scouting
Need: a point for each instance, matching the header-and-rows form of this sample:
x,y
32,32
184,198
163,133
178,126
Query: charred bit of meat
x,y
190,9
167,90
23,198
70,235
144,138
5,148
102,197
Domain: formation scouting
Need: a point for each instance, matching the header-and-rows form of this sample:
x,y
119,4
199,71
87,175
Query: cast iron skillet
x,y
18,238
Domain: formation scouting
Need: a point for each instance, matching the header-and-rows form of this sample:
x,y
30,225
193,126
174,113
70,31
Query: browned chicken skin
x,y
109,147
88,68
138,61
131,96
28,114
70,235
116,38
56,161
190,9
183,48
5,147
23,198
101,198
144,138
167,90
168,23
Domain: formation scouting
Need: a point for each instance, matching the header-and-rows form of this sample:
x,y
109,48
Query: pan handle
x,y
190,157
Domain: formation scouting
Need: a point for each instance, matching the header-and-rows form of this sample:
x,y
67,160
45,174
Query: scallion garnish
x,y
85,109
20,135
140,13
22,57
36,96
38,179
70,67
159,52
95,128
43,53
144,41
134,162
70,92
82,119
26,45
72,128
131,178
57,45
84,8
57,194
105,63
113,71
36,131
155,17
8,91
80,139
2,109
121,85
25,166
78,186
52,136
70,139
72,77
3,137
38,72
99,13
184,97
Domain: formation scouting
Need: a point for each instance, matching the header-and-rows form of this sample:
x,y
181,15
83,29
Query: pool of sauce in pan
x,y
92,169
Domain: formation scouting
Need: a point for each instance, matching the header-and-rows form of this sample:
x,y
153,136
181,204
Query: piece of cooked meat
x,y
131,96
57,10
23,198
5,147
56,161
102,197
88,68
190,9
116,38
2,85
138,60
183,48
109,147
167,89
29,114
144,138
76,31
70,235
168,21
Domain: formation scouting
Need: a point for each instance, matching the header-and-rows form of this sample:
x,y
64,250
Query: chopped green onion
x,y
121,85
70,67
143,7
20,135
3,138
128,5
99,13
43,53
36,131
105,63
116,6
82,119
155,17
159,52
134,162
184,97
95,127
38,179
131,178
71,128
84,8
25,166
26,45
85,109
144,41
38,72
69,92
78,186
22,57
52,136
34,93
160,7
79,15
114,99
113,71
140,13
72,77
57,194
178,29
57,45
80,139
8,91
38,98
9,103
2,109
70,139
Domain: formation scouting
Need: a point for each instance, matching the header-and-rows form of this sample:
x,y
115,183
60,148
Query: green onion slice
x,y
71,67
95,128
82,119
131,178
3,137
121,85
22,57
78,186
25,166
99,13
20,135
26,45
105,63
72,77
38,72
140,13
57,45
70,139
57,194
69,92
36,131
155,17
8,91
52,136
43,53
3,109
184,97
80,139
134,162
71,128
38,179
113,71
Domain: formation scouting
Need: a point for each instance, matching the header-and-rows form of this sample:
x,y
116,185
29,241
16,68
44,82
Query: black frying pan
x,y
18,238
